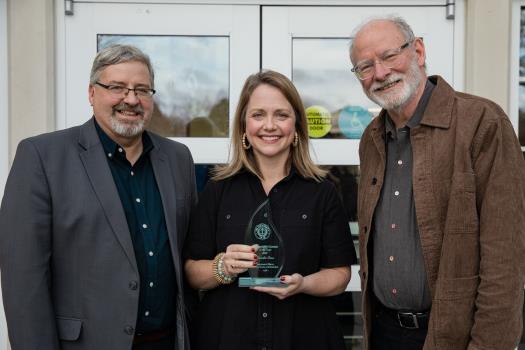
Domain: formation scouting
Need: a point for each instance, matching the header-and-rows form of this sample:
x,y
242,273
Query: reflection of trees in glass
x,y
191,79
346,179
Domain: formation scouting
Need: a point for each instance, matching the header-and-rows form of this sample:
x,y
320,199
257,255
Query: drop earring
x,y
243,141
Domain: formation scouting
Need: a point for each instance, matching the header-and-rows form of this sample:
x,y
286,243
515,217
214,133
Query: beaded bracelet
x,y
218,270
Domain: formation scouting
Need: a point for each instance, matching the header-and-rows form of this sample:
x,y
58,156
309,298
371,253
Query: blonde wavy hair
x,y
244,159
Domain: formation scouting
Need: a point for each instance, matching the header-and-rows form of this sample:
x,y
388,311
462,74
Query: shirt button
x,y
304,216
394,291
396,193
138,200
151,284
150,253
274,190
393,226
144,226
391,258
400,162
129,330
228,216
132,173
120,149
133,285
110,155
264,315
146,313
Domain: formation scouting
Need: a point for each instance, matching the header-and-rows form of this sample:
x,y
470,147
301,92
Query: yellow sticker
x,y
319,121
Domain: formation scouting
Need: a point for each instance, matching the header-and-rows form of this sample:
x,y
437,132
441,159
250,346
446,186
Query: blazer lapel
x,y
97,169
165,182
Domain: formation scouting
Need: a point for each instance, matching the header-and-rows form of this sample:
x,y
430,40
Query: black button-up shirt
x,y
142,205
399,276
311,221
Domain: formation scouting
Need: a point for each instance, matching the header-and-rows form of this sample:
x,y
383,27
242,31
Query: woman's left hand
x,y
294,286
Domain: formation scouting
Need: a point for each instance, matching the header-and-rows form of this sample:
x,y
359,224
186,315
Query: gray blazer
x,y
69,276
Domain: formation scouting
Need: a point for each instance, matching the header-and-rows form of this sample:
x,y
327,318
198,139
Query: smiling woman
x,y
270,124
270,166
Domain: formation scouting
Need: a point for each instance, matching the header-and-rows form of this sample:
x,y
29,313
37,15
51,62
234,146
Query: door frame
x,y
4,137
4,97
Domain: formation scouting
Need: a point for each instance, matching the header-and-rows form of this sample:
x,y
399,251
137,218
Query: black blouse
x,y
311,221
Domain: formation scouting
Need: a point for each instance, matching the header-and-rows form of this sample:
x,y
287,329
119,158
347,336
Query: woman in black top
x,y
270,160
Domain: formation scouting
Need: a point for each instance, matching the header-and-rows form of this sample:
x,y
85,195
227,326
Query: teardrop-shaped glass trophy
x,y
262,231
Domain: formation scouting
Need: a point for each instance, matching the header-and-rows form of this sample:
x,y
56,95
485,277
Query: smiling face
x,y
270,123
123,118
395,87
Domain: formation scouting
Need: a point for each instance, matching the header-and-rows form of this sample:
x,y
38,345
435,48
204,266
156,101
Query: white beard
x,y
395,100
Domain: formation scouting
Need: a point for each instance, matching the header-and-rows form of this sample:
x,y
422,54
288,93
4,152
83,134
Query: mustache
x,y
379,85
124,107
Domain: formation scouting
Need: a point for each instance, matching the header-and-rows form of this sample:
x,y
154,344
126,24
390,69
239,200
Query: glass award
x,y
262,231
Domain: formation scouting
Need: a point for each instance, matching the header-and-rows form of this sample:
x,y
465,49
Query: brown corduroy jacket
x,y
469,193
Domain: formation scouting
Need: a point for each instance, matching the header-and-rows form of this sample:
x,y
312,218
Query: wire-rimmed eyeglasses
x,y
389,59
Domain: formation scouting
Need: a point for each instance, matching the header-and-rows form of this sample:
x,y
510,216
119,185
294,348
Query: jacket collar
x,y
439,109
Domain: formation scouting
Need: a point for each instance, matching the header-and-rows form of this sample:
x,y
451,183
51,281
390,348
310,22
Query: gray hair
x,y
116,54
398,21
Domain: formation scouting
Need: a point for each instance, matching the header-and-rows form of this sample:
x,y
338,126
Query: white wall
x,y
4,137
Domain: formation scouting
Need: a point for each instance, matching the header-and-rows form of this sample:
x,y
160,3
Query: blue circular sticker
x,y
353,120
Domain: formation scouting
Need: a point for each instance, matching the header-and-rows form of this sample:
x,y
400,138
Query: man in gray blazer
x,y
92,223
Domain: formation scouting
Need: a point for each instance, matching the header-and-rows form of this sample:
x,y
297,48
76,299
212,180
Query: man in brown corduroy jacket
x,y
441,205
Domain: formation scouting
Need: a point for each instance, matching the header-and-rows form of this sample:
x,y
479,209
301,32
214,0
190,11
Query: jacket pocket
x,y
462,213
68,328
453,311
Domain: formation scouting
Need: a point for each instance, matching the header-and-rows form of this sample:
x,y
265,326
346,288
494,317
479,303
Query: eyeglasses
x,y
122,91
389,59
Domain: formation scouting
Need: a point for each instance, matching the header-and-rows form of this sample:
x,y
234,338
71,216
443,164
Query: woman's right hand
x,y
238,258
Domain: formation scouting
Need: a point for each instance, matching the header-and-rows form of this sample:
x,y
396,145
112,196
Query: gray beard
x,y
126,129
396,101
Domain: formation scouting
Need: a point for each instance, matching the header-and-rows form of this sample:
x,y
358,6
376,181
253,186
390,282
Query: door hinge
x,y
451,9
68,7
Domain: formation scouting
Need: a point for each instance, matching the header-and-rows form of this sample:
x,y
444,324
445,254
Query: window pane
x,y
335,103
191,79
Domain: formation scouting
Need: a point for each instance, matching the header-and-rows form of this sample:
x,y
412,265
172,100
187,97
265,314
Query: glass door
x,y
310,45
201,55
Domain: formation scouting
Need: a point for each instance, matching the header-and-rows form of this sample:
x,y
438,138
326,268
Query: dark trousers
x,y
166,343
387,334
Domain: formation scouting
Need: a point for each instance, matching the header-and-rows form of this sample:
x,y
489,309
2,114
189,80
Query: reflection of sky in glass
x,y
321,73
191,72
